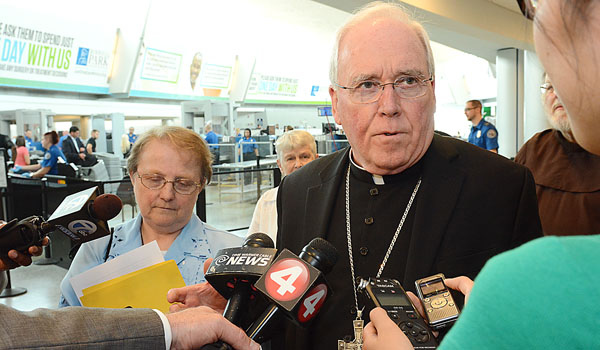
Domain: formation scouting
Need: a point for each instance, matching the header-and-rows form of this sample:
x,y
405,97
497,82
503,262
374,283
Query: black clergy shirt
x,y
375,212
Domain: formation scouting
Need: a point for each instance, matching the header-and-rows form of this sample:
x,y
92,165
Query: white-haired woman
x,y
295,149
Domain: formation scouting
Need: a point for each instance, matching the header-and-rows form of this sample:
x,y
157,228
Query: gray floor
x,y
227,211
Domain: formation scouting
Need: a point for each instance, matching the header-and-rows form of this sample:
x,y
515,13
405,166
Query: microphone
x,y
81,216
234,270
105,207
232,274
296,286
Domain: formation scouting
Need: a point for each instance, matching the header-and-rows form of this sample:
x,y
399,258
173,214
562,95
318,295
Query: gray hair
x,y
379,9
294,139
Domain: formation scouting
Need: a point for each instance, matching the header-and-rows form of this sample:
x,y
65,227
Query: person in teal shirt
x,y
543,294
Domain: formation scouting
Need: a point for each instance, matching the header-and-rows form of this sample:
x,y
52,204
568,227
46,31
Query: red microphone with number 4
x,y
295,285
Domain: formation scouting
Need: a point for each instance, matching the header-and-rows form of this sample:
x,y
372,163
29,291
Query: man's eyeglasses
x,y
546,87
370,91
470,108
528,7
157,182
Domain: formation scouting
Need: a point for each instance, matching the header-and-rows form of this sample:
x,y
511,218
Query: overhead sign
x,y
54,54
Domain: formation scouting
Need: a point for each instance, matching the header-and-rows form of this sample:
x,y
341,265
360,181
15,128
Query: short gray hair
x,y
294,139
380,9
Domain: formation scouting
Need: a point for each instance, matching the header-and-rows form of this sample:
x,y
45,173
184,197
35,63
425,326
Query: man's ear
x,y
334,100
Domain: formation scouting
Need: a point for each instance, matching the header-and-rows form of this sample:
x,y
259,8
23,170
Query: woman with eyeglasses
x,y
542,295
169,167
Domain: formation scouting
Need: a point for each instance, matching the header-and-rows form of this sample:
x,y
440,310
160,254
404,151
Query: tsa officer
x,y
49,164
483,134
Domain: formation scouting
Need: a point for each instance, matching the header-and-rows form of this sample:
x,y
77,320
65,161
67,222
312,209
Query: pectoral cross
x,y
357,343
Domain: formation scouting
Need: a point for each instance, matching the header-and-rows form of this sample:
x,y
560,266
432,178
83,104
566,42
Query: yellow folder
x,y
145,288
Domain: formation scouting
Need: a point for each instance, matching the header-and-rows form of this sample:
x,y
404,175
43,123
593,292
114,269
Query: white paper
x,y
139,258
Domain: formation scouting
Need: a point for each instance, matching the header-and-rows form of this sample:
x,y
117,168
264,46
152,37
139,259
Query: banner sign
x,y
185,74
56,54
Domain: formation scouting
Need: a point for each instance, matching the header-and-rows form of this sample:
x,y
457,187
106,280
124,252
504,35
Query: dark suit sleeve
x,y
68,148
80,327
527,220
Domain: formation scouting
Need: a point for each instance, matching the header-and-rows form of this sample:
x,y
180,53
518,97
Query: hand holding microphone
x,y
16,258
81,216
296,286
233,272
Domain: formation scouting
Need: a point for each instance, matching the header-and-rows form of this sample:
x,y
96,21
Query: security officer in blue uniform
x,y
213,143
249,147
483,134
49,164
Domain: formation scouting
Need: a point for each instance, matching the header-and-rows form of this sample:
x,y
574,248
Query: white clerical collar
x,y
377,179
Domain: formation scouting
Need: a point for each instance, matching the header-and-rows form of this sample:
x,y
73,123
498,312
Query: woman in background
x,y
51,157
295,149
22,152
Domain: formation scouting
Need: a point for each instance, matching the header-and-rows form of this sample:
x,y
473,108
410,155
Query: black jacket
x,y
472,205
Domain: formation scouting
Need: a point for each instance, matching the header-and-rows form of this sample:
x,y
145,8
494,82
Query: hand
x,y
201,294
82,156
417,303
383,334
16,258
26,174
16,169
196,327
462,284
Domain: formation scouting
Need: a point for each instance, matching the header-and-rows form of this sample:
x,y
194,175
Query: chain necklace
x,y
390,248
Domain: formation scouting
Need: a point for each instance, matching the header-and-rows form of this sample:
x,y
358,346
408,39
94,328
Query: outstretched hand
x,y
201,294
196,327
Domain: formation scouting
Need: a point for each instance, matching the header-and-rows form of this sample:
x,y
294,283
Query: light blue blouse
x,y
196,243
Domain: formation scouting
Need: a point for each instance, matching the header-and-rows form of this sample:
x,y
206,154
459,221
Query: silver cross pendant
x,y
357,343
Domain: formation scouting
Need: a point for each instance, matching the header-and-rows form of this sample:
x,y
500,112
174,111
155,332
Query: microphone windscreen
x,y
258,240
320,254
106,206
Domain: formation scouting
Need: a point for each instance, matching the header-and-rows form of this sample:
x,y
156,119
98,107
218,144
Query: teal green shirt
x,y
542,295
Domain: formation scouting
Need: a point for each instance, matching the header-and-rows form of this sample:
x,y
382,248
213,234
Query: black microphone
x,y
296,286
81,216
232,274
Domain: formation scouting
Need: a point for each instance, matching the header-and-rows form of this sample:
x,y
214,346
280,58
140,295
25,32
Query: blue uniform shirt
x,y
484,135
248,147
132,138
60,141
28,144
51,158
212,139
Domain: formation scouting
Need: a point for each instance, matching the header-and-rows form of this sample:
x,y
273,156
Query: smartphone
x,y
389,295
440,309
